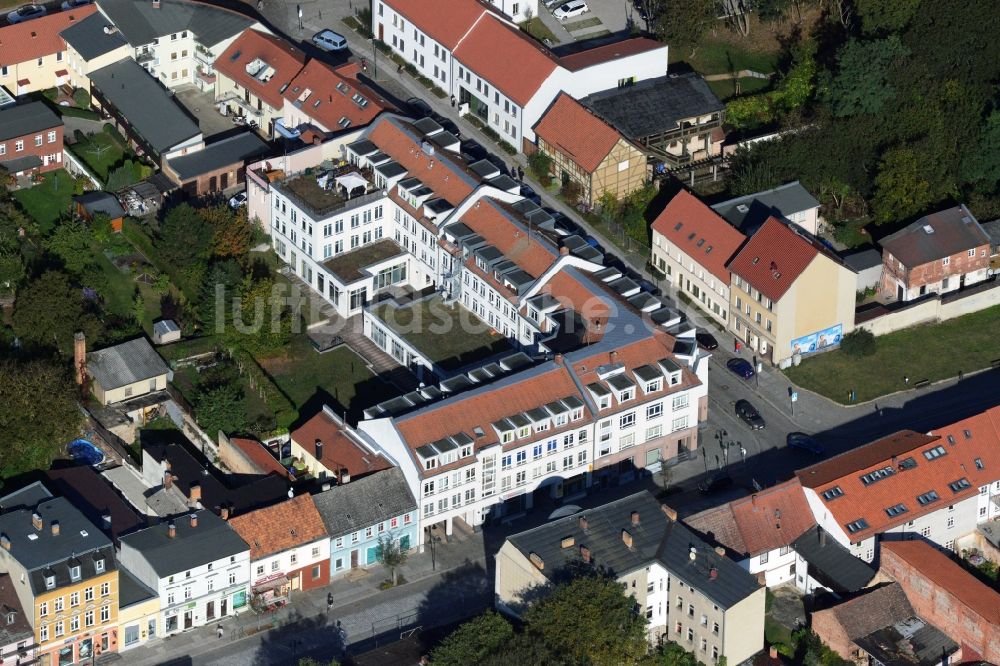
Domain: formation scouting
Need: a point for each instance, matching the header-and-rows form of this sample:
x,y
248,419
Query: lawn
x,y
47,200
718,56
539,31
582,25
963,344
100,152
119,297
748,85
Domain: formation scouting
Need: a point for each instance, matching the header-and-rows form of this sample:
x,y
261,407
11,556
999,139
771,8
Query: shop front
x,y
270,593
80,649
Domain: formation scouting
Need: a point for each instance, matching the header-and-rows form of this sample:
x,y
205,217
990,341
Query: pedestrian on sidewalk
x,y
329,603
453,101
220,631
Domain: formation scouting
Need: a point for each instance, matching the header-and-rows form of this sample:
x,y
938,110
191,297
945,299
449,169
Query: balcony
x,y
204,56
146,57
323,192
248,108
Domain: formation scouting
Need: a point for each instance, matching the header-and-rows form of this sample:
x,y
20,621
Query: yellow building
x,y
33,54
138,610
64,573
788,294
91,45
124,371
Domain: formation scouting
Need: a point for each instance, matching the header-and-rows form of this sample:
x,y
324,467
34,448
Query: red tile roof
x,y
970,453
761,522
773,259
280,55
506,58
444,21
340,451
258,454
442,173
946,576
277,528
327,104
698,231
577,133
20,42
611,52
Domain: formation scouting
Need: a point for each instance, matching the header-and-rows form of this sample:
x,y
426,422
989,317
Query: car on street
x,y
528,193
71,4
749,414
240,199
420,108
800,440
447,125
328,40
26,13
571,9
707,341
740,367
718,481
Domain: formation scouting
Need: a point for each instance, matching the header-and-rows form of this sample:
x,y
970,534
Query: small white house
x,y
166,331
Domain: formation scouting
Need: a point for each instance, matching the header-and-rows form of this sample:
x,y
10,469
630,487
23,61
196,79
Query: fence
x,y
78,168
882,319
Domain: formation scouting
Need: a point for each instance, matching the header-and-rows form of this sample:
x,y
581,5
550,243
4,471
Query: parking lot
x,y
604,17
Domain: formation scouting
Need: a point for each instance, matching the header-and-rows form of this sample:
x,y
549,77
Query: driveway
x,y
605,17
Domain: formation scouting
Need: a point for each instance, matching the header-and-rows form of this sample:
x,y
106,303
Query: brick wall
x,y
933,272
50,152
828,628
943,610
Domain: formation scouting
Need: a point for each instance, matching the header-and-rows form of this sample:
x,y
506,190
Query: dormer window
x,y
675,378
524,432
74,573
542,425
654,386
507,437
10,618
605,401
626,395
99,564
50,582
577,414
466,451
430,463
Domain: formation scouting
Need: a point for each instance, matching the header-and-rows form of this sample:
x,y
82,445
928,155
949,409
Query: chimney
x,y
772,652
344,476
558,358
168,479
156,4
635,517
713,573
753,499
583,523
720,551
54,526
5,541
224,513
669,513
36,520
194,492
106,520
567,542
319,449
171,530
627,539
80,356
194,520
585,554
536,559
564,250
614,356
822,536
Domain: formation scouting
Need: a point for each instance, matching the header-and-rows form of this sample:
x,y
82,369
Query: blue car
x,y
741,367
800,440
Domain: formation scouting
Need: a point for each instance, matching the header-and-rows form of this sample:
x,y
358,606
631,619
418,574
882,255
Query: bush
x,y
81,98
573,191
541,166
50,94
860,342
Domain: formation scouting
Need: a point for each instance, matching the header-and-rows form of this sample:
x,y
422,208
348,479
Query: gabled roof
x,y
519,72
125,363
89,39
332,96
340,450
611,52
141,22
947,576
365,502
96,499
277,528
444,21
688,223
878,608
936,236
281,62
748,213
192,546
30,40
27,119
233,150
574,131
20,629
773,259
98,202
767,520
831,563
258,455
922,472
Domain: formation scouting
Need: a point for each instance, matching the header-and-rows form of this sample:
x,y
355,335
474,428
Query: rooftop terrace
x,y
349,267
324,192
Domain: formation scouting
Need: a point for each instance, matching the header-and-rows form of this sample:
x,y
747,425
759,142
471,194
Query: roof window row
x,y
552,415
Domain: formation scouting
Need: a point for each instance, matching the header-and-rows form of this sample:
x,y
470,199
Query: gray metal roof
x,y
152,112
908,642
101,202
131,590
655,538
749,212
27,119
365,502
165,326
212,539
124,364
654,105
865,259
992,229
88,38
232,150
831,563
141,23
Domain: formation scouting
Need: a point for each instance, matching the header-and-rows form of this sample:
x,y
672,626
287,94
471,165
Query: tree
x,y
185,239
672,654
50,310
262,325
901,191
221,285
473,641
884,16
861,83
71,243
983,164
859,342
590,620
390,553
541,166
81,97
231,231
221,408
685,22
11,271
38,414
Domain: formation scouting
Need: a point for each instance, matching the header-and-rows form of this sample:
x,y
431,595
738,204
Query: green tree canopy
x,y
473,641
70,242
185,239
49,310
222,284
221,408
983,165
901,189
11,271
684,22
38,414
879,16
861,82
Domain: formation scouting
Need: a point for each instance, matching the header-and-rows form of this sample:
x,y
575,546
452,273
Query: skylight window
x,y
833,493
857,525
936,452
877,475
928,497
895,510
960,485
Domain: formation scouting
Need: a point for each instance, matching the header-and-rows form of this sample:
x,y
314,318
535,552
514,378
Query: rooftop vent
x,y
743,208
928,229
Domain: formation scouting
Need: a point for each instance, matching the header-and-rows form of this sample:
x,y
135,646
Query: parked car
x,y
447,125
646,285
715,482
749,414
741,367
26,13
707,341
420,108
328,40
800,440
528,193
238,200
571,9
70,4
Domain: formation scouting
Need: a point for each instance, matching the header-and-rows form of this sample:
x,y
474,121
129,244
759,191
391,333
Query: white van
x,y
328,40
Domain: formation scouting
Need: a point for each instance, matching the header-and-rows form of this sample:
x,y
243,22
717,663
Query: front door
x,y
354,559
899,292
225,180
210,610
223,607
188,619
381,32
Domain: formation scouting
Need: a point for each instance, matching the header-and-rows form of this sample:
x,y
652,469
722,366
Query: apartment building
x,y
791,202
138,612
692,246
91,44
330,99
33,56
17,640
327,448
788,294
509,93
938,253
64,573
936,486
689,593
31,139
198,565
289,550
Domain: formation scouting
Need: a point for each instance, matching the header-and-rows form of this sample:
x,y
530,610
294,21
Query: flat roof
x,y
349,267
